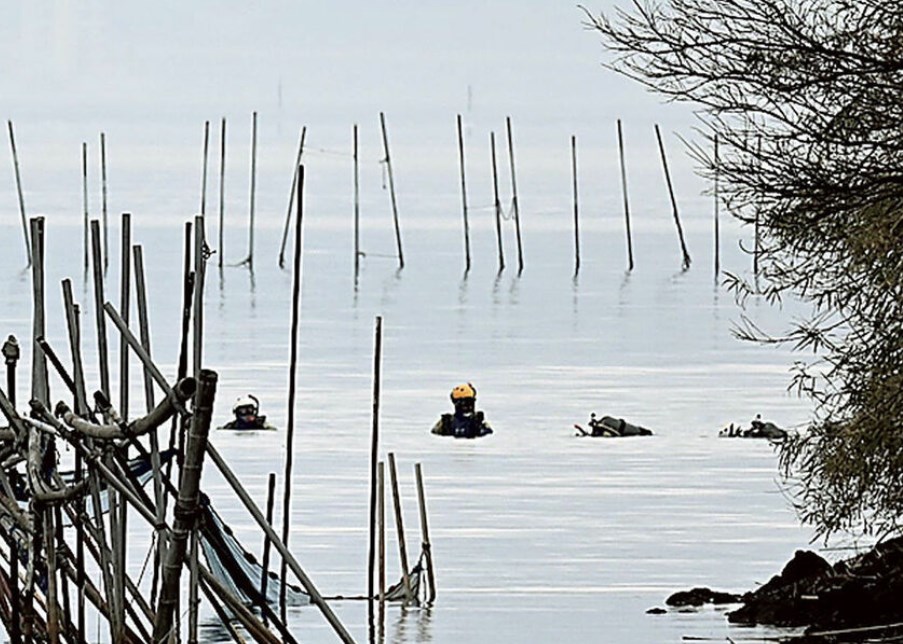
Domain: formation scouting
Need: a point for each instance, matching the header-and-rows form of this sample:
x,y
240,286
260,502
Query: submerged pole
x,y
624,193
514,206
103,199
685,260
357,206
381,523
425,535
464,197
497,204
12,145
250,259
576,218
204,169
399,527
388,160
291,197
222,188
292,384
265,565
717,232
85,199
374,457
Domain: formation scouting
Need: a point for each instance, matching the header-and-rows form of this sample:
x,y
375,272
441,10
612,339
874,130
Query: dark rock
x,y
700,596
656,611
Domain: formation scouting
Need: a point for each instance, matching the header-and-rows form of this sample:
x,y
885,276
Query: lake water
x,y
538,535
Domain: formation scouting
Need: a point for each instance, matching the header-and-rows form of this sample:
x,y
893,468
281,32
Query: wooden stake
x,y
381,521
265,566
685,260
464,197
85,198
388,160
624,193
103,199
249,260
357,207
40,388
292,382
576,218
399,528
425,533
291,197
200,261
204,169
497,203
12,145
98,307
222,188
514,206
125,279
717,234
374,456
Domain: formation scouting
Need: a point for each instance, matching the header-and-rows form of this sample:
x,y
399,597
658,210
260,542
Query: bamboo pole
x,y
98,303
292,380
315,595
249,260
425,535
193,599
222,188
125,278
85,200
576,217
204,168
52,605
357,206
497,203
399,528
685,259
291,197
374,457
103,199
514,203
388,161
626,200
717,232
187,503
200,260
12,145
40,388
464,197
265,565
381,521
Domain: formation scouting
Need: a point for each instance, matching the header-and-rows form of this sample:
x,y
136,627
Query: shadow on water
x,y
390,285
413,624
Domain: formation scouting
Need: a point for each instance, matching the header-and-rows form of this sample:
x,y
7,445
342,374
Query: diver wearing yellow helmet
x,y
465,422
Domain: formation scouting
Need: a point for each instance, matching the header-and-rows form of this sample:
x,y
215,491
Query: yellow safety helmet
x,y
462,392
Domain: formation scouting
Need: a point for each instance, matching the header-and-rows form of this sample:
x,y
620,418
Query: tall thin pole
x,y
222,187
204,168
425,534
680,233
200,261
265,565
576,217
497,203
374,454
357,206
717,233
103,199
40,388
381,530
291,197
388,160
292,380
250,259
514,206
464,197
124,306
756,239
624,193
399,527
12,145
85,198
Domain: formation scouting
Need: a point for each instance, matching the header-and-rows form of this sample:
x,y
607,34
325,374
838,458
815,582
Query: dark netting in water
x,y
238,569
395,593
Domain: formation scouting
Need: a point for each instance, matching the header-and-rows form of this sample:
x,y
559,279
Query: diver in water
x,y
246,413
465,422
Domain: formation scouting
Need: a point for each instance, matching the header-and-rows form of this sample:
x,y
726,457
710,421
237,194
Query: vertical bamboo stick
x,y
292,381
626,200
717,197
204,168
98,305
399,527
85,199
53,616
12,145
291,197
576,217
496,202
388,160
103,199
381,524
265,565
685,260
125,279
357,206
40,388
200,260
374,456
250,259
514,204
193,599
464,197
425,535
222,188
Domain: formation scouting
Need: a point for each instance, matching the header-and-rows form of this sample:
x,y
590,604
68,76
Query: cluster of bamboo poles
x,y
498,208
